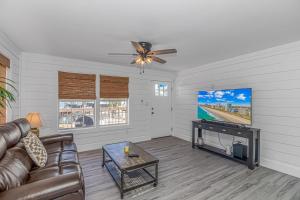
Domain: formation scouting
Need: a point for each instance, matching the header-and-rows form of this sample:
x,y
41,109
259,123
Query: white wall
x,y
39,93
274,75
8,49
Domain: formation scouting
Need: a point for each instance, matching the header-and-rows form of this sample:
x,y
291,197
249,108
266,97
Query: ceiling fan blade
x,y
159,60
163,51
122,54
138,47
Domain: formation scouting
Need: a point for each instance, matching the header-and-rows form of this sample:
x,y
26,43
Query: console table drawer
x,y
239,134
225,130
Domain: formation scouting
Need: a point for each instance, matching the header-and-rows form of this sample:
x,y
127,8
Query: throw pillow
x,y
35,149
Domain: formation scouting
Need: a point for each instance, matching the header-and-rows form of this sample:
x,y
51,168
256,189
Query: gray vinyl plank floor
x,y
191,174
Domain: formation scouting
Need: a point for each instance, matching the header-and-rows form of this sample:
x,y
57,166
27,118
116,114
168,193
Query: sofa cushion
x,y
69,146
60,146
53,159
22,155
62,158
44,173
53,147
14,168
35,149
69,157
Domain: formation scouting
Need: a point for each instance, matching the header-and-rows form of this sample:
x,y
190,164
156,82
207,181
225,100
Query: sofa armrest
x,y
57,138
45,189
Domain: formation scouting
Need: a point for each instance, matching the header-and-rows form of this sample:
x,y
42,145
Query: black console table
x,y
252,134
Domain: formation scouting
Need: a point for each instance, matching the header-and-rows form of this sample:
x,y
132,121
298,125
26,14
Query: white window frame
x,y
112,125
78,100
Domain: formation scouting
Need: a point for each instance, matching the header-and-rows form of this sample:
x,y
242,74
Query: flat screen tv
x,y
233,105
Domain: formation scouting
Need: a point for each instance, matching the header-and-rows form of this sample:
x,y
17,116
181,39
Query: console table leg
x,y
193,136
122,184
251,157
258,147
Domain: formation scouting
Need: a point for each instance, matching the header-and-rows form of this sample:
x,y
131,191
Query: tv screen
x,y
232,105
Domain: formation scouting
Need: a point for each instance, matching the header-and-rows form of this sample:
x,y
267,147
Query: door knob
x,y
152,113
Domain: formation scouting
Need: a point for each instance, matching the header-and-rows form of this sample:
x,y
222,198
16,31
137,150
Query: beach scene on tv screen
x,y
232,106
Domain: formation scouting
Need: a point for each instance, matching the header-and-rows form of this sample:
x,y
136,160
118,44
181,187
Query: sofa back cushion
x,y
11,134
23,125
14,168
3,146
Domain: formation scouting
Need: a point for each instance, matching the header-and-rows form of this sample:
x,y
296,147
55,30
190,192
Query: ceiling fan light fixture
x,y
139,59
148,60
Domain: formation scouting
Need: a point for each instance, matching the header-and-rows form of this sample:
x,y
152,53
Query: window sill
x,y
113,127
101,128
62,130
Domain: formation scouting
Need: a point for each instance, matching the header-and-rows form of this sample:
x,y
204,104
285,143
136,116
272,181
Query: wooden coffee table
x,y
129,173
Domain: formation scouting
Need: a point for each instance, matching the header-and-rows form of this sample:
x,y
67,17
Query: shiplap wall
x,y
274,76
40,94
8,49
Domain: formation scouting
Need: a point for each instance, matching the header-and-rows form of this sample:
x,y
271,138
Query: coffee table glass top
x,y
121,159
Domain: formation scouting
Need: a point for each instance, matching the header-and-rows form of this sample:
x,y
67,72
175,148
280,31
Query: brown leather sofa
x,y
61,178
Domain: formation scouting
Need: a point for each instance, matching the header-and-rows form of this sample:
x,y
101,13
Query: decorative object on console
x,y
200,140
228,150
35,121
240,151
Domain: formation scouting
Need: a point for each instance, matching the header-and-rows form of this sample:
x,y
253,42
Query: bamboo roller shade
x,y
114,87
4,63
76,86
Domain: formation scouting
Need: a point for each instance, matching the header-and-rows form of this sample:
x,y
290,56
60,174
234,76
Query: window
x,y
113,111
76,113
161,89
77,100
113,100
77,96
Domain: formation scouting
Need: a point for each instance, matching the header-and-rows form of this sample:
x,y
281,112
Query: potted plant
x,y
6,96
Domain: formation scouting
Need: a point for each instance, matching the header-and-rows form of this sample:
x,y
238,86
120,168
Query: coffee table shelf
x,y
141,177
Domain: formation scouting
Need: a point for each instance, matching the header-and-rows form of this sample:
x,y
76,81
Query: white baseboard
x,y
184,137
95,146
281,167
271,164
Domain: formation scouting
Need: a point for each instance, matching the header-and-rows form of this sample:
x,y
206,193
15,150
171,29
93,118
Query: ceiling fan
x,y
144,54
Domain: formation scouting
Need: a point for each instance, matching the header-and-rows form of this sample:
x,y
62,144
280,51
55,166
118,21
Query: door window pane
x,y
161,89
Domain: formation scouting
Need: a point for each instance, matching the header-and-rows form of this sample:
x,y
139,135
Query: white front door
x,y
161,115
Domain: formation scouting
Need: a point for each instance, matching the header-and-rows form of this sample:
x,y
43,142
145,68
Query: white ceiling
x,y
203,31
